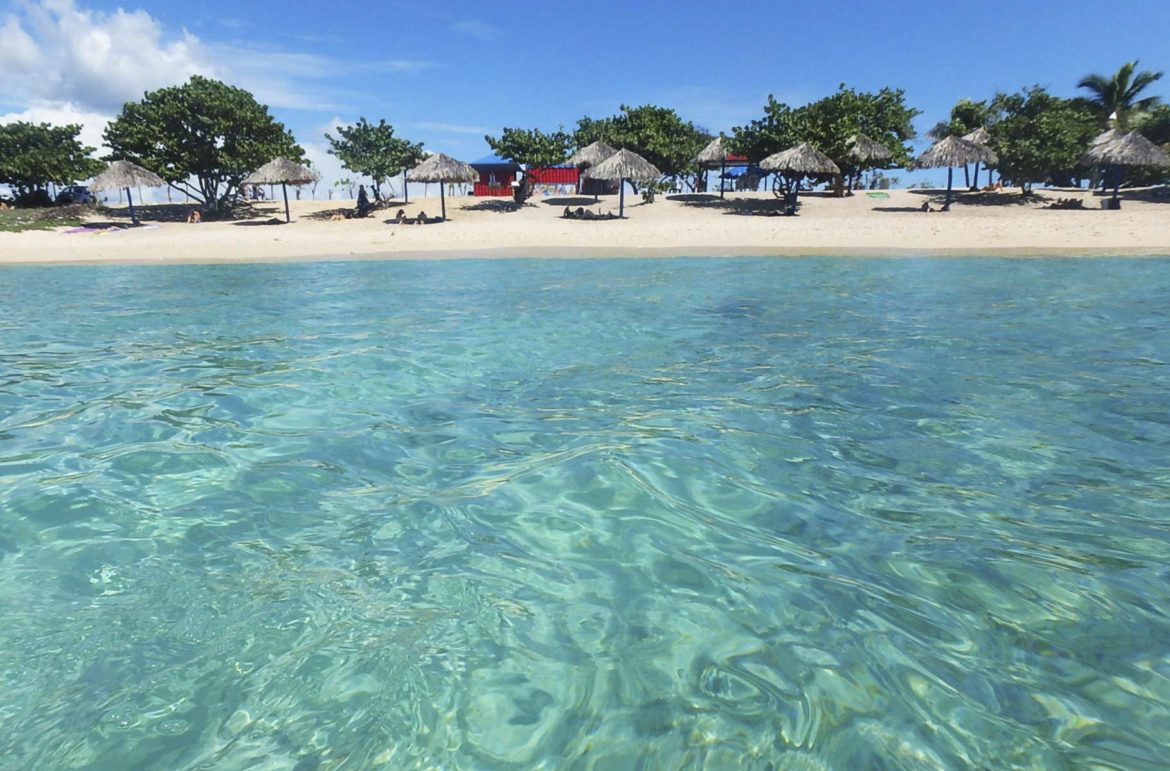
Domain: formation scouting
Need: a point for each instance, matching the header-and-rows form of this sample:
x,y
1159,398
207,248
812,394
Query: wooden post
x,y
129,200
284,188
442,201
622,197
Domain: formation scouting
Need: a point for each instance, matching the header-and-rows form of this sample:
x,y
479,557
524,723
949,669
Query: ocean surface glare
x,y
601,514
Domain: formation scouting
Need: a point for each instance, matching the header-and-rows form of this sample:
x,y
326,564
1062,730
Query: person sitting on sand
x,y
421,219
400,217
195,217
567,213
926,206
363,202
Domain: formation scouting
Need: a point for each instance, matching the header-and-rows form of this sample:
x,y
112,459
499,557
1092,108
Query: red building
x,y
497,174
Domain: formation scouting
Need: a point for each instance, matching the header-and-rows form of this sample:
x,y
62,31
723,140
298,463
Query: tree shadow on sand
x,y
695,198
980,198
498,206
576,200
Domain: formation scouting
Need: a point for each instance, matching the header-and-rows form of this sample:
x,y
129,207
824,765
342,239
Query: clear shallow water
x,y
762,514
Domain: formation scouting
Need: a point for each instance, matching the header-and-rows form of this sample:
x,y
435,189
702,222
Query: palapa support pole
x,y
722,171
622,197
442,201
284,188
950,181
405,190
130,201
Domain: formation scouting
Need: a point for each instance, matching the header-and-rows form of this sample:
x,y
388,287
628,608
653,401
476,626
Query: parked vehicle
x,y
75,194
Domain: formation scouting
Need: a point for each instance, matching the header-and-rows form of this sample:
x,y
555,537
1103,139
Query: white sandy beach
x,y
988,223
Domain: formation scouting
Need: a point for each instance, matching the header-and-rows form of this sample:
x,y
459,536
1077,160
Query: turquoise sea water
x,y
761,514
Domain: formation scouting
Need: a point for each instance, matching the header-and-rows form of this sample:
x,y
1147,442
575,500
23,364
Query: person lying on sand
x,y
195,217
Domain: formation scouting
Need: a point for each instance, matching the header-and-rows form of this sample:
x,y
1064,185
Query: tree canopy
x,y
966,116
1040,137
33,155
204,129
1117,94
658,134
373,150
531,148
828,124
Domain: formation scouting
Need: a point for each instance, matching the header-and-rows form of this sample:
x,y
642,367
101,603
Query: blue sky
x,y
445,73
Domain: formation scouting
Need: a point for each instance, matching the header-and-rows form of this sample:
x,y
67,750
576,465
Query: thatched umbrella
x,y
714,153
591,155
1106,136
443,168
797,162
1130,149
126,174
979,136
624,165
861,150
951,152
281,172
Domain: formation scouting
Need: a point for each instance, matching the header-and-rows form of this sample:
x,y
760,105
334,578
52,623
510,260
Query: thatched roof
x,y
1106,136
121,174
802,159
953,151
979,136
1130,149
280,171
863,149
714,152
624,164
443,168
591,155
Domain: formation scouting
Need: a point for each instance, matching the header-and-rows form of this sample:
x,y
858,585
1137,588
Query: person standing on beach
x,y
363,201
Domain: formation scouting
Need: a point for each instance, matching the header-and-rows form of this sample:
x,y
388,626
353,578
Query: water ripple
x,y
801,514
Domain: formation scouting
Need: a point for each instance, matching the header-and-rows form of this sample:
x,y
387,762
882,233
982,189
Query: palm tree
x,y
1117,95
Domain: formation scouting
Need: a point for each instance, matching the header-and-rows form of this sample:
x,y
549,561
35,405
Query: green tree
x,y
966,116
373,150
204,129
829,123
1115,97
658,134
781,127
33,155
531,148
1040,137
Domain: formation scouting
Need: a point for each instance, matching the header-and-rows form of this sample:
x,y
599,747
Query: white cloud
x,y
91,59
60,114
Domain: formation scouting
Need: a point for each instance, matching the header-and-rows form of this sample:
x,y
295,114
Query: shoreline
x,y
633,253
890,227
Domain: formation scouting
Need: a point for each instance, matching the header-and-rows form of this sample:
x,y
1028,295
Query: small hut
x,y
624,165
124,174
283,172
951,152
794,164
442,169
